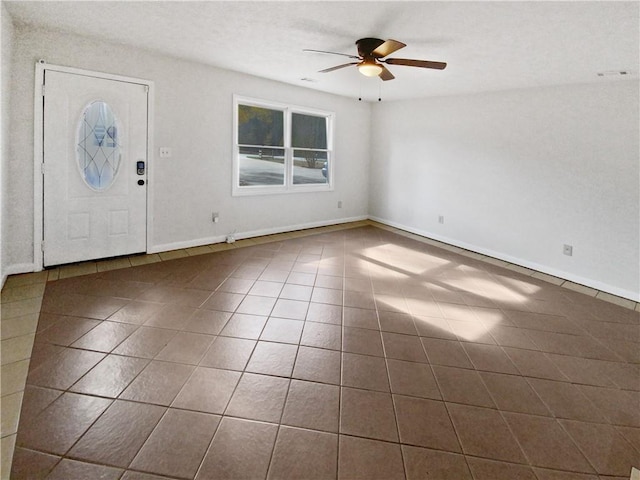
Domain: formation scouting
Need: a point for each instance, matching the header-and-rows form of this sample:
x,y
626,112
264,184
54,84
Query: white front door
x,y
95,167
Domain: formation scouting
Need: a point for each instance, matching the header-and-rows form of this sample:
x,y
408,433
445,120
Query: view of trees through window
x,y
266,151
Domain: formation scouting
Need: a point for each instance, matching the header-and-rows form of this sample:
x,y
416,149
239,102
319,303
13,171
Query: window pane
x,y
261,166
310,167
308,131
260,126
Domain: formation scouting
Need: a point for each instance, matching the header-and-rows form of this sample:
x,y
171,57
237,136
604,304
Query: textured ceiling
x,y
488,45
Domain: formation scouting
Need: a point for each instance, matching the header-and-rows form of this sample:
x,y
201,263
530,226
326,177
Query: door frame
x,y
38,152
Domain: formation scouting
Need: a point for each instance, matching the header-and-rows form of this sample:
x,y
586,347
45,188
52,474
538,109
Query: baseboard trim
x,y
565,276
165,247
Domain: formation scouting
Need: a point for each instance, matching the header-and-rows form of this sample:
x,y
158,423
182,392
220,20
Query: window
x,y
280,148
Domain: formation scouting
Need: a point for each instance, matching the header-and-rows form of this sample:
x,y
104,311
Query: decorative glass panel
x,y
99,146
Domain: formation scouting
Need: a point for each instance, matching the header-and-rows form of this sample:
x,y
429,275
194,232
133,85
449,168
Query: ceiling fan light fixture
x,y
369,68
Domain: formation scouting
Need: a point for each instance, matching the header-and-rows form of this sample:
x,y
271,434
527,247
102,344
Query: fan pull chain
x,y
380,91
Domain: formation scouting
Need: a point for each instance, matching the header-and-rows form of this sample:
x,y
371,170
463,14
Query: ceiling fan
x,y
370,58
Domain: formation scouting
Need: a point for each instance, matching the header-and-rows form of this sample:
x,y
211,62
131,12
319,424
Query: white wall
x,y
6,50
193,116
518,174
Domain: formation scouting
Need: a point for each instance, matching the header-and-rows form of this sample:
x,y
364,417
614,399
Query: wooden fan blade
x,y
327,70
385,74
387,48
330,53
416,63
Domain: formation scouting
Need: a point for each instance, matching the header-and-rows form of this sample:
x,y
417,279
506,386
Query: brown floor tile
x,y
118,434
512,393
210,322
282,330
364,371
74,470
362,340
292,309
403,347
110,377
158,383
171,316
360,318
312,405
105,337
36,399
489,358
414,379
301,278
146,342
31,465
327,295
604,447
223,301
434,327
59,425
445,352
371,459
483,432
425,423
178,444
244,326
236,285
186,347
304,454
66,330
64,369
397,322
322,335
545,443
534,364
228,353
561,351
266,288
324,313
423,463
272,359
620,407
136,312
240,449
460,385
484,469
317,365
546,474
255,305
566,400
296,292
272,392
367,414
207,390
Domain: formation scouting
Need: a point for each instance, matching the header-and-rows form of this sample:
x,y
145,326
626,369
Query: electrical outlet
x,y
567,250
165,152
441,219
215,217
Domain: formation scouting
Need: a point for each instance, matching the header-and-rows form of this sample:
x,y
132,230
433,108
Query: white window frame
x,y
288,186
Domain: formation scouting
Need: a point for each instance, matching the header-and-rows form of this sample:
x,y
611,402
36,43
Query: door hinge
x,y
146,88
42,168
42,245
43,89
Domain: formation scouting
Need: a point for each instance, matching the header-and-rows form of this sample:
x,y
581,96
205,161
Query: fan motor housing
x,y
366,46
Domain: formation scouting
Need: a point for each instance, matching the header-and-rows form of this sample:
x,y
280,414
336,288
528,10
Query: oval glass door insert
x,y
99,146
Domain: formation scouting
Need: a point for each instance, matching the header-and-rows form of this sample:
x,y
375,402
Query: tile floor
x,y
354,353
